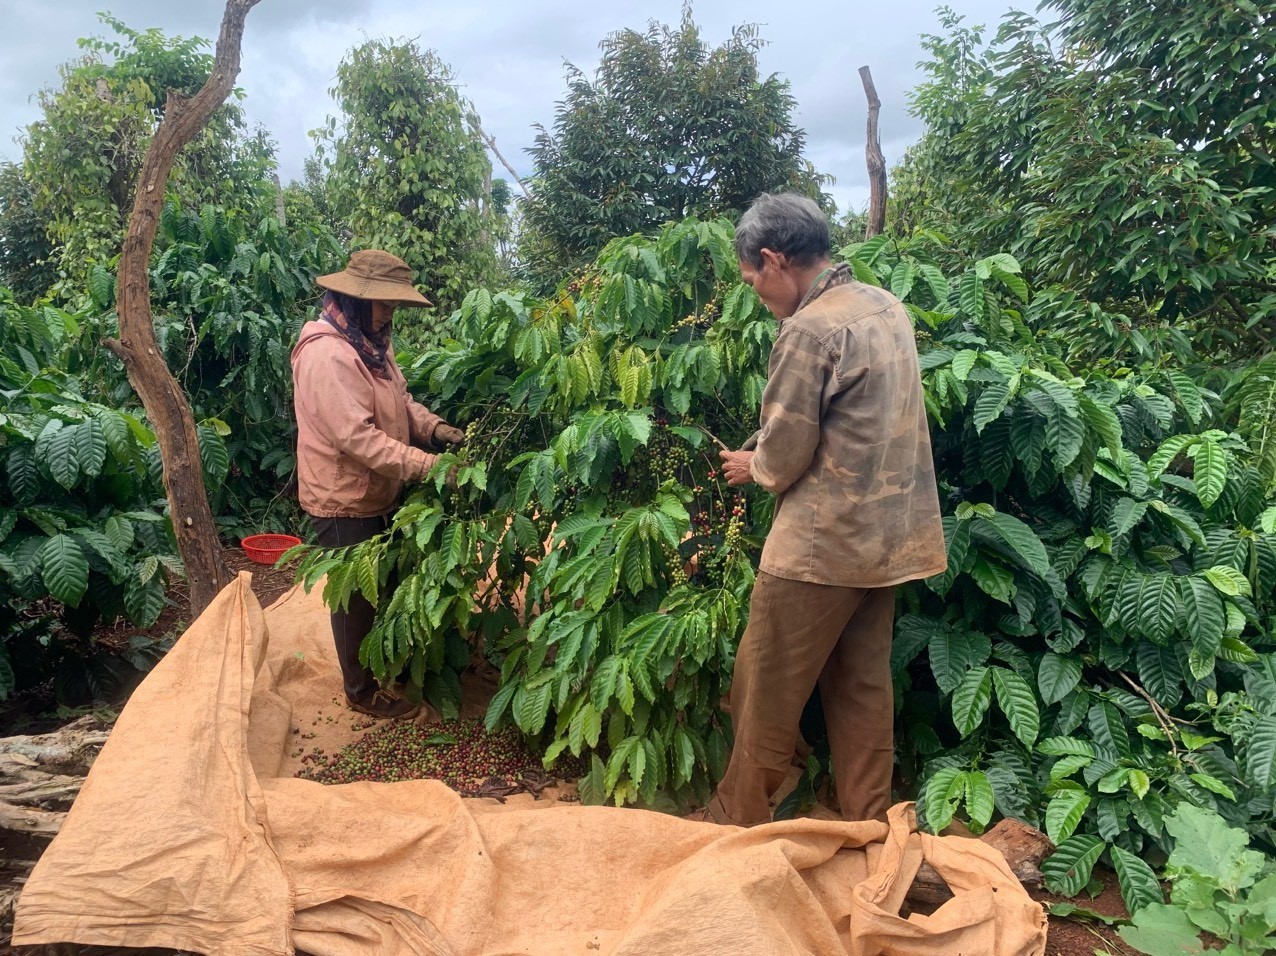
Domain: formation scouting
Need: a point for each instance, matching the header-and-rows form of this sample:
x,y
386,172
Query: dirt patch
x,y
1078,936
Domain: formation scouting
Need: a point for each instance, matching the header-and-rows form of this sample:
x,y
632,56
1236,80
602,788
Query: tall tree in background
x,y
405,171
81,159
1126,150
25,249
667,128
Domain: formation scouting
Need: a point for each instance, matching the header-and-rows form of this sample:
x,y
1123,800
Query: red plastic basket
x,y
268,548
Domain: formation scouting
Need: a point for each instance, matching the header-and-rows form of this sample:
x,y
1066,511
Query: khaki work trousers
x,y
800,634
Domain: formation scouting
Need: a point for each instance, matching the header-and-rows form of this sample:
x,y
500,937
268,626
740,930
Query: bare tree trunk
x,y
491,144
166,405
876,162
486,207
280,213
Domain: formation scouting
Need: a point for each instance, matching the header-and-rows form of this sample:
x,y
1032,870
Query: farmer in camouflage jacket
x,y
844,447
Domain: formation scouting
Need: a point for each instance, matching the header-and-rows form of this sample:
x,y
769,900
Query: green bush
x,y
1099,651
82,536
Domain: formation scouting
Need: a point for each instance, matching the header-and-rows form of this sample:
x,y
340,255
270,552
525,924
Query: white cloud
x,y
508,56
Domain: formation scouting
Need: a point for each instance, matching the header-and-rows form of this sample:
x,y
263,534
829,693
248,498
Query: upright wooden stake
x,y
876,161
165,403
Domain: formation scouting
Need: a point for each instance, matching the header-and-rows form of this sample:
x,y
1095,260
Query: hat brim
x,y
376,290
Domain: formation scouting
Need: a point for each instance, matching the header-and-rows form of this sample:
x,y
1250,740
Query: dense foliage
x,y
1083,240
1099,651
85,537
1112,581
580,415
667,128
1125,151
81,539
407,172
82,157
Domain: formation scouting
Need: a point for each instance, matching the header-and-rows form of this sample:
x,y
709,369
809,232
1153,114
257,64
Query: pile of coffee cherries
x,y
461,753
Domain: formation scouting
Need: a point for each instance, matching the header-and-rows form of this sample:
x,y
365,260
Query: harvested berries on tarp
x,y
461,753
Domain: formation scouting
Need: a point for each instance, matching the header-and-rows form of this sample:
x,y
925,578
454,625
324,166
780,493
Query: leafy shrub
x,y
590,412
1098,652
77,521
1219,885
1100,648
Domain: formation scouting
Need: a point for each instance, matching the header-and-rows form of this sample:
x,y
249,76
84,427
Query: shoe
x,y
384,704
707,815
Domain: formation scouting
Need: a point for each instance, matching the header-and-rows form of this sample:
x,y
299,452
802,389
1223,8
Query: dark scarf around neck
x,y
372,347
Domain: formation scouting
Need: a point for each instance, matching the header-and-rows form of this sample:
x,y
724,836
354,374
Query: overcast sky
x,y
508,58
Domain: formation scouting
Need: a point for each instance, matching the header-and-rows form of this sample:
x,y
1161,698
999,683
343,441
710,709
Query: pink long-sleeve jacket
x,y
355,431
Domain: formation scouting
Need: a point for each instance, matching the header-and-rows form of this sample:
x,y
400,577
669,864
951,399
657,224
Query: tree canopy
x,y
668,127
81,159
406,171
1125,150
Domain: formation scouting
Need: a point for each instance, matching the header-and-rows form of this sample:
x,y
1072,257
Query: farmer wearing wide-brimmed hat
x,y
360,436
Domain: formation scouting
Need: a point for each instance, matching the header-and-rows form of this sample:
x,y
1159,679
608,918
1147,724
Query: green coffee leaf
x,y
1139,886
64,569
1213,784
1260,752
1228,580
1016,700
1064,812
1065,746
1108,727
1210,472
1067,870
1203,617
971,699
944,789
1267,520
1021,540
979,798
952,653
1057,675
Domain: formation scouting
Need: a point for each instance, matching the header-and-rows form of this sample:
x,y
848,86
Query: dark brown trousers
x,y
801,634
351,626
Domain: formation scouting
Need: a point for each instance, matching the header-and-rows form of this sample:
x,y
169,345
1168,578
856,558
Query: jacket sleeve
x,y
343,414
791,404
422,421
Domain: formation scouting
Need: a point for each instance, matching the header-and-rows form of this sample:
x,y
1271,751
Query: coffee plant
x,y
1099,651
81,539
610,562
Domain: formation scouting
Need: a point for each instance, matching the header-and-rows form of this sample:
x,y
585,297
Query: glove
x,y
449,435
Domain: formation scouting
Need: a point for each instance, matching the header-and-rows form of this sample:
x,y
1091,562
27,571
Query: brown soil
x,y
1077,936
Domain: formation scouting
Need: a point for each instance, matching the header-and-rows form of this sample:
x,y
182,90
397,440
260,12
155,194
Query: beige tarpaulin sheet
x,y
192,833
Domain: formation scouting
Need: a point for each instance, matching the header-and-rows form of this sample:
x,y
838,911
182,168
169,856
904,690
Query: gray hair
x,y
783,222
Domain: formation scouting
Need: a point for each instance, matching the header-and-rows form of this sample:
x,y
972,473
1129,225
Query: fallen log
x,y
70,749
29,820
29,787
1024,848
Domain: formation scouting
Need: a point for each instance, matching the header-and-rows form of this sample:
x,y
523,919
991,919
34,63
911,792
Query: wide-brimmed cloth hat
x,y
377,275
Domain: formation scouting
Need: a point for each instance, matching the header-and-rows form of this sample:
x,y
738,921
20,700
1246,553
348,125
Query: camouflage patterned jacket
x,y
844,444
